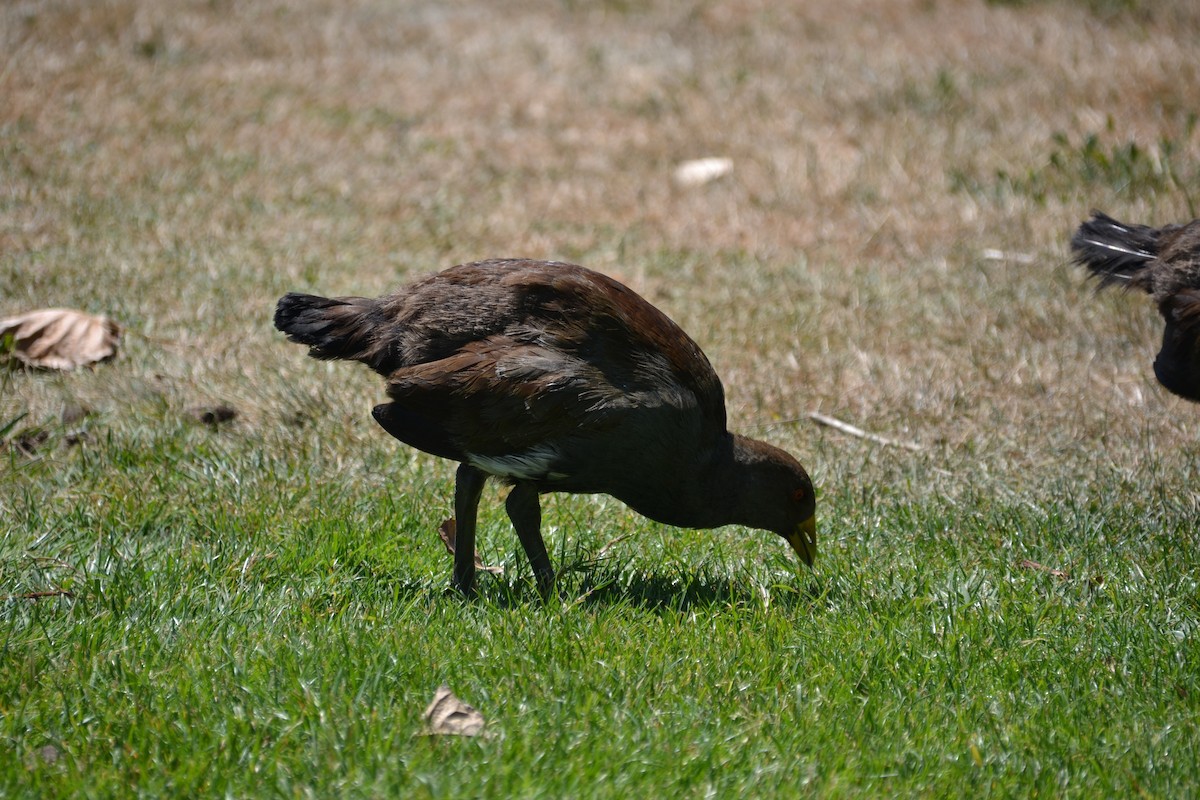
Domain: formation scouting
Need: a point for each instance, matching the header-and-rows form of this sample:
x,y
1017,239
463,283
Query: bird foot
x,y
464,589
546,583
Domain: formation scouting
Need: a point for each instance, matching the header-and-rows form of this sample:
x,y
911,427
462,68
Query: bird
x,y
555,378
1165,263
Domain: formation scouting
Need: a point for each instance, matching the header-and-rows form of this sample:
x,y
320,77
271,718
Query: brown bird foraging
x,y
1164,263
555,378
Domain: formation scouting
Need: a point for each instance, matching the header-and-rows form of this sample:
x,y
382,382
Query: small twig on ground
x,y
611,543
851,430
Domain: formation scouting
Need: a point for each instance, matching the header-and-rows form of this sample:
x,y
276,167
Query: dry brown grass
x,y
179,165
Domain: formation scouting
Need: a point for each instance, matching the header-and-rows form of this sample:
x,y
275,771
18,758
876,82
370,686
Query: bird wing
x,y
1114,251
500,398
626,336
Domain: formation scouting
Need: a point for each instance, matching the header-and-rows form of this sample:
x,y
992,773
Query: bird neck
x,y
693,496
718,491
739,481
727,480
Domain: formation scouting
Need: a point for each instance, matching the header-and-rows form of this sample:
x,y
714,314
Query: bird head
x,y
777,495
800,529
803,537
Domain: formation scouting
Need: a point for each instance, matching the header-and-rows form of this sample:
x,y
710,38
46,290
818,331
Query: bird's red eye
x,y
798,495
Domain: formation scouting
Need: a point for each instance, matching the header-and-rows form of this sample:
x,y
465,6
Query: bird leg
x,y
468,486
525,511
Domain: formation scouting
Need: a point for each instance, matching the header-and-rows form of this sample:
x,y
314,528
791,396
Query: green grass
x,y
242,623
1127,168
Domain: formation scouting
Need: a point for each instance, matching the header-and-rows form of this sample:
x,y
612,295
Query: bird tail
x,y
1113,251
333,327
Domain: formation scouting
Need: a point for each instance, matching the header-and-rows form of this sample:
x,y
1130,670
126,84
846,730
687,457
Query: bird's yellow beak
x,y
804,540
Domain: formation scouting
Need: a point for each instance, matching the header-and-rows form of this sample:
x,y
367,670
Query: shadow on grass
x,y
674,591
599,584
679,592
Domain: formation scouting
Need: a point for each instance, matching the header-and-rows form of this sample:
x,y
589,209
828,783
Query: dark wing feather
x,y
1113,251
564,308
613,327
499,397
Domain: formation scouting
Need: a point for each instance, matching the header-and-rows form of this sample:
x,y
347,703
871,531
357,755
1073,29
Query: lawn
x,y
260,607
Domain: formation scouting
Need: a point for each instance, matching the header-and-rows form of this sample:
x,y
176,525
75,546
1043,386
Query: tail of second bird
x,y
1113,251
333,327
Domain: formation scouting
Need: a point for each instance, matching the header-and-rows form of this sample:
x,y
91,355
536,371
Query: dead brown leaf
x,y
449,716
446,532
61,338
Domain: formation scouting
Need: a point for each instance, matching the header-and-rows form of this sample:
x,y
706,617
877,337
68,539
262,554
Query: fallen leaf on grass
x,y
449,716
60,338
446,532
1057,573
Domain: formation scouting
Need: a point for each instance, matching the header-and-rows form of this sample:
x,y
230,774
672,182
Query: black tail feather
x,y
332,327
1113,251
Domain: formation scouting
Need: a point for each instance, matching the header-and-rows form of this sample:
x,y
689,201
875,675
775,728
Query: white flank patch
x,y
531,465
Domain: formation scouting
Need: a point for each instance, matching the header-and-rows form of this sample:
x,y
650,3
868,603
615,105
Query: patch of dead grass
x,y
180,165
